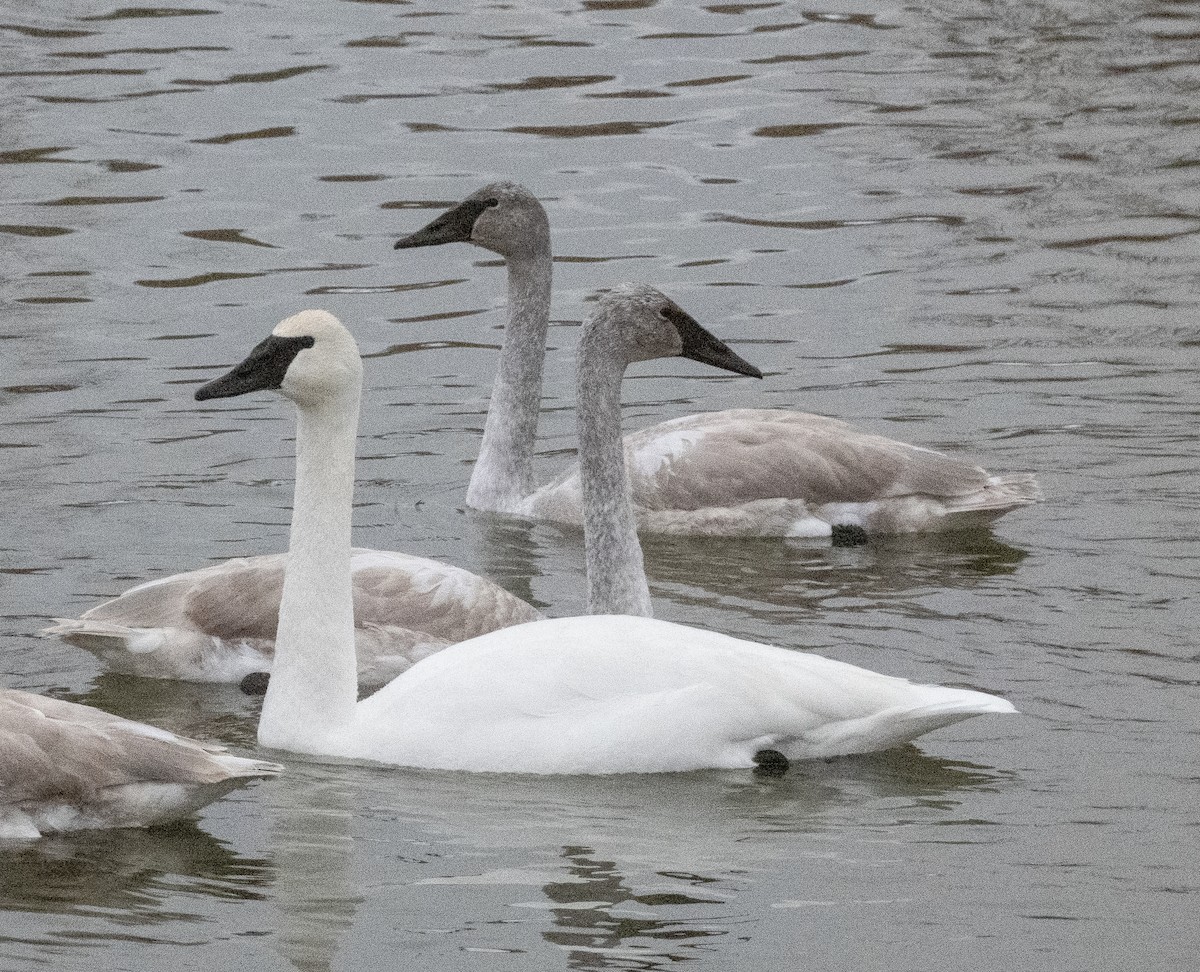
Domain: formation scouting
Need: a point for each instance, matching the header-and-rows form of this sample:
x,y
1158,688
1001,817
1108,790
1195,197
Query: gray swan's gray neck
x,y
503,475
314,680
616,577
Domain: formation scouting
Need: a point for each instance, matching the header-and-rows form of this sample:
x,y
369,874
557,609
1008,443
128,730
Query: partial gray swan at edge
x,y
612,692
65,766
740,472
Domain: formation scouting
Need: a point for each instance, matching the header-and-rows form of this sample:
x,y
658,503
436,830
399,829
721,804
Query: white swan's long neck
x,y
503,474
314,679
615,574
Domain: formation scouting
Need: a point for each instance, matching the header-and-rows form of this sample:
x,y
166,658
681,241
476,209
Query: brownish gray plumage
x,y
769,472
218,623
65,766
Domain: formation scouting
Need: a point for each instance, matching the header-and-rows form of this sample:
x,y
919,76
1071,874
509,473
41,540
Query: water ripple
x,y
549,82
819,225
802,130
280,131
128,13
589,131
35,231
257,77
226,236
99,200
48,33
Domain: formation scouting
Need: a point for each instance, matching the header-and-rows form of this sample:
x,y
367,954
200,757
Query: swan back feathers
x,y
64,766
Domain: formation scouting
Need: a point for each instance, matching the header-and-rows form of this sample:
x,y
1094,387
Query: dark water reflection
x,y
971,226
193,709
126,875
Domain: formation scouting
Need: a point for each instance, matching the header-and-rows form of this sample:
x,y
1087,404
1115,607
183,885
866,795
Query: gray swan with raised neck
x,y
609,692
739,472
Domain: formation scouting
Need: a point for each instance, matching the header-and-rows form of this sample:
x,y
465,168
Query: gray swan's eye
x,y
491,202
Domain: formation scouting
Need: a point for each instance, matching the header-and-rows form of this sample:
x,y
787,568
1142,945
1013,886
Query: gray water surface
x,y
974,226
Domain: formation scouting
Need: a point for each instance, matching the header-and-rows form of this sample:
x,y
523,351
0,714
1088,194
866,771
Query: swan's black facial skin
x,y
701,346
453,226
264,368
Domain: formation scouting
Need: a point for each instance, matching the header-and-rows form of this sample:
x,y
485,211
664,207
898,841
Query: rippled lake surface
x,y
970,225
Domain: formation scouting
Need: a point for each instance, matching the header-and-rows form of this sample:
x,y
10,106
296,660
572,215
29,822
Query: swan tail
x,y
148,803
901,724
102,638
242,767
176,653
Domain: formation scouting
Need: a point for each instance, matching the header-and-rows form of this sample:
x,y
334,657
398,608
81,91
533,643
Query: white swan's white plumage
x,y
742,472
621,694
65,766
601,694
217,624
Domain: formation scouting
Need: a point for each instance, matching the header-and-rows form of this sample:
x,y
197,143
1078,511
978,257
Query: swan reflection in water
x,y
655,869
312,849
130,874
772,581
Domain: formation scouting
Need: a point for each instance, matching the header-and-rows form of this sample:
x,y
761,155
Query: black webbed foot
x,y
255,683
848,535
770,762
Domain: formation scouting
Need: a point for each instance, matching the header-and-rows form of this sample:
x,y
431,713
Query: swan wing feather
x,y
771,472
52,749
716,459
603,694
218,623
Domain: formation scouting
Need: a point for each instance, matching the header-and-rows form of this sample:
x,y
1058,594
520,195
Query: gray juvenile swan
x,y
605,693
741,472
218,623
65,766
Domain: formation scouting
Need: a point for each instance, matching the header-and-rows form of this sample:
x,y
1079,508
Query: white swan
x,y
742,472
65,766
596,694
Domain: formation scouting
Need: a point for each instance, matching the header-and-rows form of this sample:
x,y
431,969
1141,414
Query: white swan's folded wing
x,y
613,694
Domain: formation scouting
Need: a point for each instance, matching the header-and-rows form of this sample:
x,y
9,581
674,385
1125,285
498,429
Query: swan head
x,y
636,322
503,217
309,357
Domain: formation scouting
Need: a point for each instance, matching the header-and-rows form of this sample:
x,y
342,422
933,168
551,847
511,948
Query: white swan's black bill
x,y
700,345
453,226
263,368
